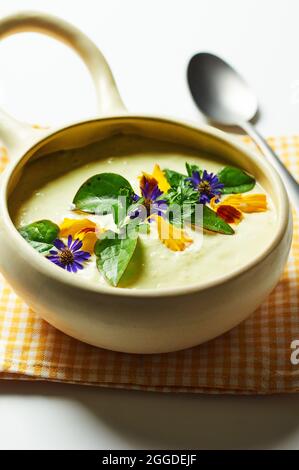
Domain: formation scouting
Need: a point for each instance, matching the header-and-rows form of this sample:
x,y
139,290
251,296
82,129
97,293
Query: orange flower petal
x,y
88,236
247,202
72,226
156,178
149,179
84,229
160,178
230,214
172,237
243,202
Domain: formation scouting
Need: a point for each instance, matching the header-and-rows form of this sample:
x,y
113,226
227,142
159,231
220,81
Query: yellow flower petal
x,y
172,237
160,178
243,202
84,229
157,177
72,226
247,202
228,212
88,236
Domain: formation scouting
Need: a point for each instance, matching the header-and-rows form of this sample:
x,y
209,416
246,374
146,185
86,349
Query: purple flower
x,y
207,185
150,198
69,257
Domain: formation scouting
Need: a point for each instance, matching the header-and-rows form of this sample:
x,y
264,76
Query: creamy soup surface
x,y
48,185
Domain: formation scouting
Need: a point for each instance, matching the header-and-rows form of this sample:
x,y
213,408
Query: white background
x,y
148,44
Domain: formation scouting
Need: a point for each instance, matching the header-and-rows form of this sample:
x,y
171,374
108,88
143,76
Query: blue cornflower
x,y
69,256
207,185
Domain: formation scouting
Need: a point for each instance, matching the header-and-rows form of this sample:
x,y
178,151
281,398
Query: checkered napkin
x,y
252,358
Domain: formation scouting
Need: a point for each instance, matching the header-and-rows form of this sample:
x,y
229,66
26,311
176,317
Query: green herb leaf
x,y
173,177
40,234
192,168
99,195
235,180
181,194
181,197
214,223
113,255
210,220
43,248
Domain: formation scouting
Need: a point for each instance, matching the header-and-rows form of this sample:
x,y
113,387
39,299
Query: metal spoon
x,y
226,99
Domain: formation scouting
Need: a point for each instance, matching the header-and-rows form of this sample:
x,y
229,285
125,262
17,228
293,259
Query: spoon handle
x,y
291,184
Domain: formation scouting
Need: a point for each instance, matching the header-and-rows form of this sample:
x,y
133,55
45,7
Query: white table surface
x,y
148,44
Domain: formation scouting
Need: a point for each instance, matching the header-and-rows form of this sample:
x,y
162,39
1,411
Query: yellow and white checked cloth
x,y
252,358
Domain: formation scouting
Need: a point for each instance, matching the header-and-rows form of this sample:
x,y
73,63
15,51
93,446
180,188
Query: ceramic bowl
x,y
134,321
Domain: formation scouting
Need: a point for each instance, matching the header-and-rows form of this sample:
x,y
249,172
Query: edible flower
x,y
159,176
72,226
174,238
150,197
207,185
70,256
82,229
244,202
248,202
231,208
230,214
88,236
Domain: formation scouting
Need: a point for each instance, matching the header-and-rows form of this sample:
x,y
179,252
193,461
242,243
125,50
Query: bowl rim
x,y
42,265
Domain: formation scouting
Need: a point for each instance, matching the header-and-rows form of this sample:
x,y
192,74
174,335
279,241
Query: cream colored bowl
x,y
136,321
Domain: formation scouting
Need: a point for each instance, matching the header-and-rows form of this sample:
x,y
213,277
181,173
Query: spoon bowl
x,y
219,91
225,98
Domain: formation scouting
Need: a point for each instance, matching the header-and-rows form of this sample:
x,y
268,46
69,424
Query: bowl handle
x,y
108,98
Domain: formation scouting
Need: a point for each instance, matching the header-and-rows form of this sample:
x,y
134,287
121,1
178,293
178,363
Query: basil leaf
x,y
113,255
192,168
212,222
40,234
173,177
111,206
235,180
43,248
100,193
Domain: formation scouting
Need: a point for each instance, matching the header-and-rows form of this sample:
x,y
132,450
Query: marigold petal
x,y
174,238
247,202
161,179
72,226
146,178
156,178
88,236
230,214
243,202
